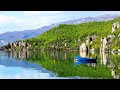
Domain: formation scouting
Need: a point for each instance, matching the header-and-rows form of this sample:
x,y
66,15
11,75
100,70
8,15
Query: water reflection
x,y
103,58
12,68
20,54
62,60
108,60
12,72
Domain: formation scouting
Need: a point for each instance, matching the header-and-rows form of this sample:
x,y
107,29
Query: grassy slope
x,y
71,33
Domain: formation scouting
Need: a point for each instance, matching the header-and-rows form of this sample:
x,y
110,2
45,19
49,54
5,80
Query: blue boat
x,y
84,62
77,58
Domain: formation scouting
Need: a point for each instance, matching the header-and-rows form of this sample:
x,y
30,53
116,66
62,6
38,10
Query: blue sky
x,y
27,20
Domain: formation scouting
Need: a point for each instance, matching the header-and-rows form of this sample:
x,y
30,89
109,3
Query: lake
x,y
57,65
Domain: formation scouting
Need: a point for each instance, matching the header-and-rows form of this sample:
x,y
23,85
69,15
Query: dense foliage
x,y
73,35
64,66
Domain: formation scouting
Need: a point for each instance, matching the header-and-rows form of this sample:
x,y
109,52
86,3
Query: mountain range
x,y
19,35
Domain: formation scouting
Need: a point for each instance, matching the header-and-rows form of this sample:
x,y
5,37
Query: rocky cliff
x,y
90,36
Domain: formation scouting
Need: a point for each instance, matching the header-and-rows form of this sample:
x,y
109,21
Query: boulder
x,y
83,47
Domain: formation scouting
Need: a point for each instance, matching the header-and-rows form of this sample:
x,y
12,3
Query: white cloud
x,y
39,21
6,19
31,13
27,20
9,23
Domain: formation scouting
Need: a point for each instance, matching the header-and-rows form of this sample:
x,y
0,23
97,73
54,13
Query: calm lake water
x,y
58,65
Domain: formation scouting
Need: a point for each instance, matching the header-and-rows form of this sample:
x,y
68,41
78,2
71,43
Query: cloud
x,y
39,19
9,23
6,19
27,20
41,13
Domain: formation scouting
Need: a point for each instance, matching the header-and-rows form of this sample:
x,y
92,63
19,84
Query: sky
x,y
28,20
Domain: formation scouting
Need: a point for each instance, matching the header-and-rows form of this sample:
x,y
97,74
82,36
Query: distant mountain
x,y
105,17
19,35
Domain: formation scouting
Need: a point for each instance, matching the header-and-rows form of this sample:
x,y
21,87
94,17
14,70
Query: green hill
x,y
72,36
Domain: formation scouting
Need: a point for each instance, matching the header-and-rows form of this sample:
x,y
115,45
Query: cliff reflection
x,y
109,60
20,54
103,59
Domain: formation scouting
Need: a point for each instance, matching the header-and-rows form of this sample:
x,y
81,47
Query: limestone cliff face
x,y
20,45
115,26
90,39
86,45
105,41
83,47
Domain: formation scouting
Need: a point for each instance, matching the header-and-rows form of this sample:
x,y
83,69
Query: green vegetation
x,y
70,37
116,62
73,36
62,64
115,45
64,67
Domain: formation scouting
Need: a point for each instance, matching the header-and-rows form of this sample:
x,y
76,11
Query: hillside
x,y
72,36
20,35
99,36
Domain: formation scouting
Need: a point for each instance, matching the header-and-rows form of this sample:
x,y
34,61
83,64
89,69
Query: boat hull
x,y
84,59
84,62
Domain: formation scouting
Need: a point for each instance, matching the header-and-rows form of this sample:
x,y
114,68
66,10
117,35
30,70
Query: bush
x,y
115,48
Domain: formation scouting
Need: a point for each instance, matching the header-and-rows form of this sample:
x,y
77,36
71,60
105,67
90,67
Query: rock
x,y
118,50
113,29
87,41
105,41
65,44
83,47
111,36
94,37
91,42
102,39
115,26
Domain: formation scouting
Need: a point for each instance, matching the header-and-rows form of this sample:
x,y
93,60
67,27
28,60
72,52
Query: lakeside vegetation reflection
x,y
62,63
